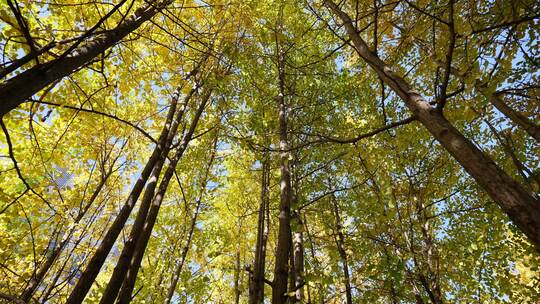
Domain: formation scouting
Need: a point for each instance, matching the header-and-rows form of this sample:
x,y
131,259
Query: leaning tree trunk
x,y
185,249
22,86
124,296
183,254
94,265
522,208
122,265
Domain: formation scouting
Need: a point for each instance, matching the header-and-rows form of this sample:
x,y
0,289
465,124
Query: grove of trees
x,y
270,151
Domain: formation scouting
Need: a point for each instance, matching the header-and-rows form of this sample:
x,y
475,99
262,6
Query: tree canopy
x,y
317,151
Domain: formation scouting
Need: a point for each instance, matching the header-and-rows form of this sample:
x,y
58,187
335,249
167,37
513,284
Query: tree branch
x,y
354,140
100,113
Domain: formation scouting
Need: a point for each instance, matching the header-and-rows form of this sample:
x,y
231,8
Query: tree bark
x,y
122,265
183,255
298,254
521,207
340,244
431,256
283,248
94,265
185,249
256,290
128,284
22,86
237,266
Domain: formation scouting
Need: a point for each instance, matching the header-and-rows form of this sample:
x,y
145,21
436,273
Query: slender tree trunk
x,y
281,271
297,241
431,255
428,288
122,265
522,208
94,265
316,262
517,118
340,244
292,274
185,249
298,254
22,86
128,284
237,266
256,289
183,255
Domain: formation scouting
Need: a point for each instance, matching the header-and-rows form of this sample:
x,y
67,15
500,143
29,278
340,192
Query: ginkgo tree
x,y
166,151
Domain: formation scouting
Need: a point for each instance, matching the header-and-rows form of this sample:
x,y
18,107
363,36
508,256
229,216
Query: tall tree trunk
x,y
122,265
183,255
517,118
522,208
431,255
94,265
256,289
185,249
315,261
237,266
298,254
22,86
340,244
128,284
292,273
283,248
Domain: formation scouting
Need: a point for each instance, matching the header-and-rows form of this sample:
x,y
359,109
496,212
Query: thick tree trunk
x,y
517,118
128,284
94,265
283,248
22,86
340,244
256,289
522,208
